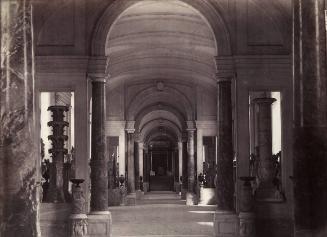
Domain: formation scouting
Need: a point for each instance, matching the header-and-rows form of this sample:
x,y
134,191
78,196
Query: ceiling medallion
x,y
160,86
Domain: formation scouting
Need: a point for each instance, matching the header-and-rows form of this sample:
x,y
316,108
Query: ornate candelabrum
x,y
56,186
78,217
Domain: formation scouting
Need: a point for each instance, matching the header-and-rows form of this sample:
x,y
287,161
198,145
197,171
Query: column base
x,y
78,225
139,194
268,194
226,224
131,199
183,194
247,224
99,224
177,187
191,199
207,196
146,187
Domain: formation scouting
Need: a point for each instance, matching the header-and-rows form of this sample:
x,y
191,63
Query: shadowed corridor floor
x,y
162,214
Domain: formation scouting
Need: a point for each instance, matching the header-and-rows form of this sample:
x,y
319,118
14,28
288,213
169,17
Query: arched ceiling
x,y
166,40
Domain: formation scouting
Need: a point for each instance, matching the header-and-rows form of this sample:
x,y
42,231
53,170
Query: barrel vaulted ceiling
x,y
161,40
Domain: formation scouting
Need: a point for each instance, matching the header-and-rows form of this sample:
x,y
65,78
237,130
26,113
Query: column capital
x,y
225,70
98,64
264,100
97,78
130,125
190,124
130,130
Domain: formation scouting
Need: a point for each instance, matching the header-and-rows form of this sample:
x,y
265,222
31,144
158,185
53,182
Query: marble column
x,y
310,118
180,159
19,145
184,170
225,216
266,169
225,182
99,170
199,154
122,153
130,161
190,195
141,160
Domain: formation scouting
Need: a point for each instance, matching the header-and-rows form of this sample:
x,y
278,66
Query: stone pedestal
x,y
207,196
78,225
99,224
183,193
146,187
177,187
139,194
226,224
131,199
191,199
247,224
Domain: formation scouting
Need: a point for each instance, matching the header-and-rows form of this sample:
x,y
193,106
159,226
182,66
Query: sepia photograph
x,y
163,118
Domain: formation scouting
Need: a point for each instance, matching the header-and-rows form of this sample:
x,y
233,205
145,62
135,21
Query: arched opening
x,y
161,55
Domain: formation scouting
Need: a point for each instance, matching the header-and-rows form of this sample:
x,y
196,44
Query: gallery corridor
x,y
162,214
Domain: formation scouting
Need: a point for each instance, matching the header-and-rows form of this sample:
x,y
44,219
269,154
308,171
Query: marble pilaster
x,y
99,171
310,118
19,156
266,169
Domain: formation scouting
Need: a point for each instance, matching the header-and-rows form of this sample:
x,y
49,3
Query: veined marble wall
x,y
19,153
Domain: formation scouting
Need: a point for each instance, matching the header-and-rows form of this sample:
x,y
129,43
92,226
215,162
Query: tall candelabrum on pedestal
x,y
56,186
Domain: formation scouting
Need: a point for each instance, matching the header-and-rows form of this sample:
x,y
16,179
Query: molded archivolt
x,y
169,96
160,126
156,115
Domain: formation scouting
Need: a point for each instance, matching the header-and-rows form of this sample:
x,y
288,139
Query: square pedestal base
x,y
226,224
247,224
191,199
139,194
131,199
145,187
177,187
183,194
99,224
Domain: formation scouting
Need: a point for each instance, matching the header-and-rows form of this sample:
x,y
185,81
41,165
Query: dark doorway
x,y
161,166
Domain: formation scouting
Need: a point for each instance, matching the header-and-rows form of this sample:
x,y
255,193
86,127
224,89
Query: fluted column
x,y
266,165
310,123
18,144
130,161
190,196
99,170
